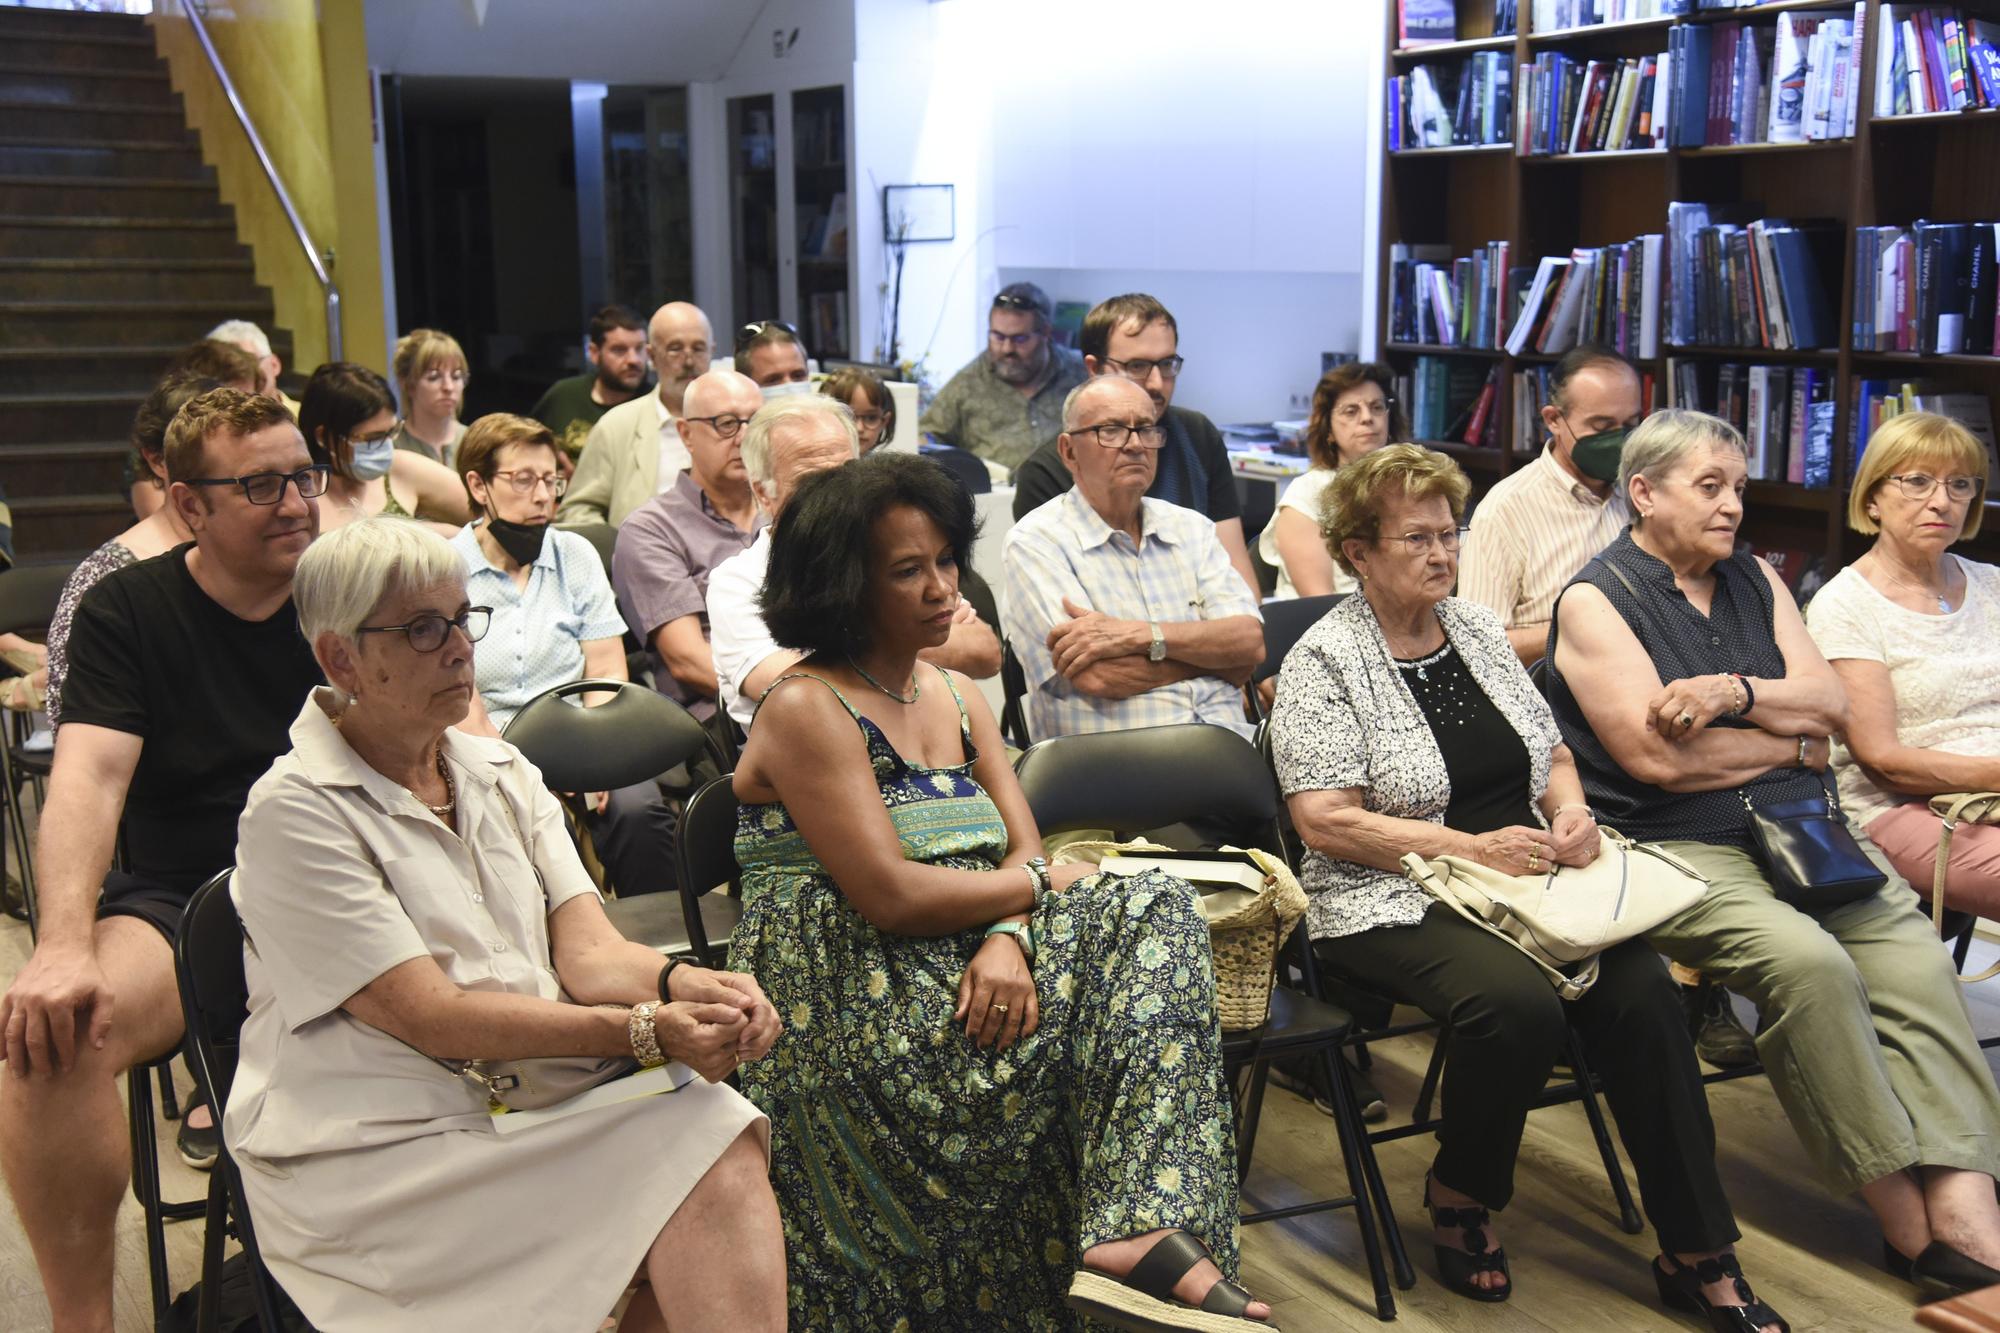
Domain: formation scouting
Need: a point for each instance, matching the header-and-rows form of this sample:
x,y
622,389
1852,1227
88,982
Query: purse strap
x,y
1955,810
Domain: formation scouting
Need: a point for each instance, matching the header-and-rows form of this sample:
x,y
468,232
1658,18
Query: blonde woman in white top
x,y
1914,632
411,900
1354,411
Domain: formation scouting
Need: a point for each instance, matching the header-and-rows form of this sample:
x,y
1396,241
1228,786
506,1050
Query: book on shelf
x,y
1445,302
1814,78
1608,295
1878,400
1764,283
1784,412
1531,391
1444,397
1932,58
1561,15
1930,288
1574,105
1506,17
1794,81
1425,22
1449,103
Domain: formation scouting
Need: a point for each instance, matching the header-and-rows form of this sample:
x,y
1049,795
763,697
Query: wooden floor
x,y
1812,1256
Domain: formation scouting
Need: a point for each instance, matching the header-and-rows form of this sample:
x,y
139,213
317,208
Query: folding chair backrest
x,y
208,963
633,737
1148,778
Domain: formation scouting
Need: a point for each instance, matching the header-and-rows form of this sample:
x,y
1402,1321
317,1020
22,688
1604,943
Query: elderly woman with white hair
x,y
426,959
1700,712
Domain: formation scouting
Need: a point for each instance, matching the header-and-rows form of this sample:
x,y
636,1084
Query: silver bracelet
x,y
645,1041
1804,742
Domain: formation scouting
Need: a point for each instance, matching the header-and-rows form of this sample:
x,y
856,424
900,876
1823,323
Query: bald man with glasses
x,y
1008,400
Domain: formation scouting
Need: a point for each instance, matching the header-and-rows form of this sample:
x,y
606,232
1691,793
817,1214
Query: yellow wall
x,y
303,79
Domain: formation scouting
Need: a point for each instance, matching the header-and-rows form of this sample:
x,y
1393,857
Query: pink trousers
x,y
1908,836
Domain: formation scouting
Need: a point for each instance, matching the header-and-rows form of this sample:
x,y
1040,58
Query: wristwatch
x,y
1157,652
1023,933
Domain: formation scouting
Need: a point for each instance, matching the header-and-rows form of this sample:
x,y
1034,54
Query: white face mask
x,y
787,389
370,459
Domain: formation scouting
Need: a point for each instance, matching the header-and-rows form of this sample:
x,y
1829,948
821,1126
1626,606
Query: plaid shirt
x,y
1177,572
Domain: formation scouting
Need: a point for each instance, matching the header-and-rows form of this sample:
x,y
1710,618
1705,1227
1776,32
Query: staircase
x,y
115,252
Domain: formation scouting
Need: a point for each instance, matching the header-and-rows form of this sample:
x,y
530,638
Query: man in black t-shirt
x,y
619,363
185,673
1135,336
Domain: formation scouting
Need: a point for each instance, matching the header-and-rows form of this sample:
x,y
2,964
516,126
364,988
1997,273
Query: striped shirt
x,y
1178,571
1534,530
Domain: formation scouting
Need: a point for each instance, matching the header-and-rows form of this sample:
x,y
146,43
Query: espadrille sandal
x,y
1143,1300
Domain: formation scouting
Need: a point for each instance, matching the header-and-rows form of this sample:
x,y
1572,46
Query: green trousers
x,y
1865,1036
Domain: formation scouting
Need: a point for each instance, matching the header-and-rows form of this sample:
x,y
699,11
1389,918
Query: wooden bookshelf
x,y
1939,167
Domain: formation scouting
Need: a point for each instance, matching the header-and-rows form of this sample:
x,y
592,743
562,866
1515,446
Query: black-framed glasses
x,y
378,436
428,633
728,425
1142,370
1116,434
268,488
757,328
1919,485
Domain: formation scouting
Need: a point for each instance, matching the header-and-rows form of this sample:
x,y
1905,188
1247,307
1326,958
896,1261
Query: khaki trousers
x,y
1865,1036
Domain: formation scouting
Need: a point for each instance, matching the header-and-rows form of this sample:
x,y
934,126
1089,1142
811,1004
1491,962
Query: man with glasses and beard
x,y
635,452
1137,338
1007,401
185,673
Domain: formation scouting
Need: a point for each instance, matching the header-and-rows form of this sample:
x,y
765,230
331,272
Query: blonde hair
x,y
757,442
421,351
1351,508
345,574
1905,439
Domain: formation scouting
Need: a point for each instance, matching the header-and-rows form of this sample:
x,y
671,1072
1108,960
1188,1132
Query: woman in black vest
x,y
1690,692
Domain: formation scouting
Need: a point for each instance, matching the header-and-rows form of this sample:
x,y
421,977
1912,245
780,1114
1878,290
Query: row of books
x,y
1428,22
1570,105
1930,289
1450,398
1933,58
1760,284
1441,105
1447,302
1559,15
1786,413
1795,81
1876,401
1531,390
1608,295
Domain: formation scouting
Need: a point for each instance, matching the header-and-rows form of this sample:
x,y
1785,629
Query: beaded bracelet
x,y
645,1041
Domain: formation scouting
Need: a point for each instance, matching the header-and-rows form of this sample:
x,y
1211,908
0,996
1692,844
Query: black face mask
x,y
521,541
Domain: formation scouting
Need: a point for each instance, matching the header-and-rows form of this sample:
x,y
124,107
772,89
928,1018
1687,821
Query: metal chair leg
x,y
208,1305
170,1103
146,1182
1628,1215
1428,1092
1357,1154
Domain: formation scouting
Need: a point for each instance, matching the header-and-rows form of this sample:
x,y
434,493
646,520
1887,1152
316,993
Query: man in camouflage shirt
x,y
1008,401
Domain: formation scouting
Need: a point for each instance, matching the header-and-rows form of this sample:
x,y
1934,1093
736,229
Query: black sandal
x,y
1143,1300
1681,1290
1457,1268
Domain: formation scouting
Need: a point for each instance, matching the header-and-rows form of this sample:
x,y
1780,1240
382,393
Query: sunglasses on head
x,y
756,329
1011,301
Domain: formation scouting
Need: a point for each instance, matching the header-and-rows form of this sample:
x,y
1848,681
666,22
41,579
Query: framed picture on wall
x,y
917,213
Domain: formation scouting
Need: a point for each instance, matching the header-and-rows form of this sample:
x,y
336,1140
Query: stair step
x,y
64,323
158,196
141,158
147,88
81,50
44,525
30,470
95,119
41,417
118,236
127,368
23,22
129,280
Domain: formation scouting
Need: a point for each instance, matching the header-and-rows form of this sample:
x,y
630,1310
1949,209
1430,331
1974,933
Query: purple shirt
x,y
666,550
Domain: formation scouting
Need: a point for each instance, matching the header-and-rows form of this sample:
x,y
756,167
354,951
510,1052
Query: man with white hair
x,y
788,440
635,452
255,341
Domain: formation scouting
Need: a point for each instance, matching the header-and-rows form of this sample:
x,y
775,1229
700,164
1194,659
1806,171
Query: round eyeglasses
x,y
427,633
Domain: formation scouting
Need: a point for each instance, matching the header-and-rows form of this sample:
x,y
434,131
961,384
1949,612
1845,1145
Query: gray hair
x,y
757,448
346,574
1070,414
242,333
1664,440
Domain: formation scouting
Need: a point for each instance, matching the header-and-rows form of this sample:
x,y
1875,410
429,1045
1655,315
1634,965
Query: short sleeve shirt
x,y
1303,494
1534,530
535,641
1193,471
569,410
978,410
209,694
667,549
737,635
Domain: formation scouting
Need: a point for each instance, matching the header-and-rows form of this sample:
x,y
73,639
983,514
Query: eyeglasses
x,y
1115,434
757,328
379,435
1364,411
428,633
871,420
1014,340
728,425
524,483
1141,371
1419,543
436,377
268,488
1919,485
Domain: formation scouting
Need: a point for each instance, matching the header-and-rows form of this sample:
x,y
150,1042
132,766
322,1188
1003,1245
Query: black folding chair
x,y
1285,621
208,963
28,597
638,735
706,854
1014,695
1147,778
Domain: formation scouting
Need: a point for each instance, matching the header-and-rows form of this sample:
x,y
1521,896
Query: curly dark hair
x,y
815,596
1326,394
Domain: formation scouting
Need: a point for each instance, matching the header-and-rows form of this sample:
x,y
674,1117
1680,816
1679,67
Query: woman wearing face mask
x,y
555,620
1353,412
432,373
349,420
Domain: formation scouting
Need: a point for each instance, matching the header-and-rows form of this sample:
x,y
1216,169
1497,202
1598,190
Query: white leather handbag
x,y
1563,919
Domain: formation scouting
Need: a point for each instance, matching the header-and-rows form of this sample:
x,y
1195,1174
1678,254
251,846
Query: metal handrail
x,y
314,256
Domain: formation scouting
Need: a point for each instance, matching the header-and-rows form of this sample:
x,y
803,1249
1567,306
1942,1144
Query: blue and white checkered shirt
x,y
535,642
1177,572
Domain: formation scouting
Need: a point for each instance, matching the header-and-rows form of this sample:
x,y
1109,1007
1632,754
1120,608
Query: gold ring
x,y
999,1008
1534,860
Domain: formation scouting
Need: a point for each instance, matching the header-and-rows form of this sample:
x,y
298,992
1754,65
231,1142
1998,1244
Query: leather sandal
x,y
1143,1300
1940,1271
1458,1267
1681,1289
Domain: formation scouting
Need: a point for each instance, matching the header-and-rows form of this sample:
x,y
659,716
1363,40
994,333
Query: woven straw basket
x,y
1245,942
